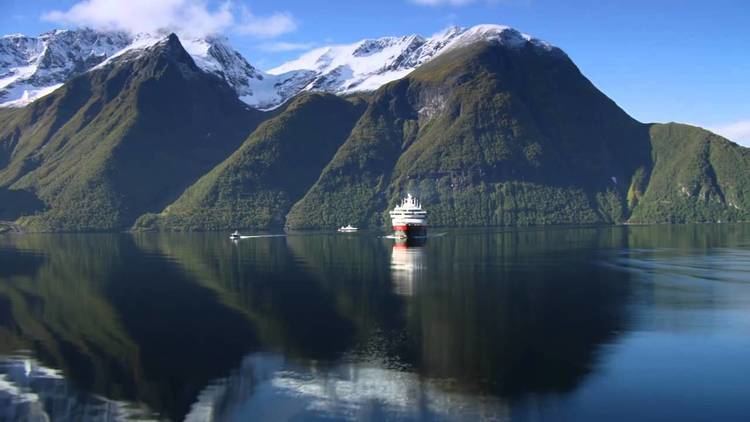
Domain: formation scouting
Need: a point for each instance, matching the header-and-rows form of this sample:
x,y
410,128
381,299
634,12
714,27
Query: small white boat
x,y
235,235
348,229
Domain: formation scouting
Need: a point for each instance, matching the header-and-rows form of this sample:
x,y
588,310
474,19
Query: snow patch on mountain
x,y
138,43
25,93
254,87
31,67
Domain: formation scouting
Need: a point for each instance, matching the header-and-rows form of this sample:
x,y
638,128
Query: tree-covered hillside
x,y
274,167
485,135
697,177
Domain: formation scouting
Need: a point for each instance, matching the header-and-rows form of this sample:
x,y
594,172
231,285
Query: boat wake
x,y
259,236
390,236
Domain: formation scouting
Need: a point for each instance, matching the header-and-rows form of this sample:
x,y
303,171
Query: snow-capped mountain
x,y
214,55
368,64
31,67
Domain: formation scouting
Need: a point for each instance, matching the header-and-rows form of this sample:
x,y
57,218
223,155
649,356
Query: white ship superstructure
x,y
409,219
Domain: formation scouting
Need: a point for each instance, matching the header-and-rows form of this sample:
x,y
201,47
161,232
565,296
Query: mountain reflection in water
x,y
267,387
471,325
30,391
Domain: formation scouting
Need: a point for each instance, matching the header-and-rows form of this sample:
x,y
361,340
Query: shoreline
x,y
9,227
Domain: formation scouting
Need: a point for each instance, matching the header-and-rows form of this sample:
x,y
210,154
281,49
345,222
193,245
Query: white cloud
x,y
280,46
738,131
189,17
266,26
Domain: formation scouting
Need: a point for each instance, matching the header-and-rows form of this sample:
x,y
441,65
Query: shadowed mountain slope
x,y
274,167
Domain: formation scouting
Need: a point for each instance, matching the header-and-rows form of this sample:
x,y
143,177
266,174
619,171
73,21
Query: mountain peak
x,y
170,50
147,45
504,35
368,64
172,47
172,38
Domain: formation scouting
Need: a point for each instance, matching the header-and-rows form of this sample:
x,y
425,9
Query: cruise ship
x,y
409,220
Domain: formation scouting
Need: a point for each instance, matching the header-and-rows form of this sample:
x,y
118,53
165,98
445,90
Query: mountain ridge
x,y
369,63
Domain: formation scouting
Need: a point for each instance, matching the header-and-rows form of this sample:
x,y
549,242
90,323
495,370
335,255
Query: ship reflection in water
x,y
407,265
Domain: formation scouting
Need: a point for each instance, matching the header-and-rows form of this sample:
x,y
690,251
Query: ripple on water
x,y
727,265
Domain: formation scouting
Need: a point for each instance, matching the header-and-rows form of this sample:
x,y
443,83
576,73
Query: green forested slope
x,y
484,135
697,177
274,167
352,186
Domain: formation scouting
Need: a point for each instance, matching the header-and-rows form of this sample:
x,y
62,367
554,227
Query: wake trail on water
x,y
259,236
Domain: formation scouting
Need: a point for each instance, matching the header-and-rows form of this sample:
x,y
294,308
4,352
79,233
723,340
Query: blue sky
x,y
661,60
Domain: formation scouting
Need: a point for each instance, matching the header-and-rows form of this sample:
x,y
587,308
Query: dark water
x,y
585,324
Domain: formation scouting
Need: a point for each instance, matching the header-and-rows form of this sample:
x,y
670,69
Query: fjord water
x,y
615,323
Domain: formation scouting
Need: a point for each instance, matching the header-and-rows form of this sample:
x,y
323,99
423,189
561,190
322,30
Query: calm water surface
x,y
585,324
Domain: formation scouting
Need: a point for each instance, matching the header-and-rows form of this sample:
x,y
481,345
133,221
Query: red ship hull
x,y
410,230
